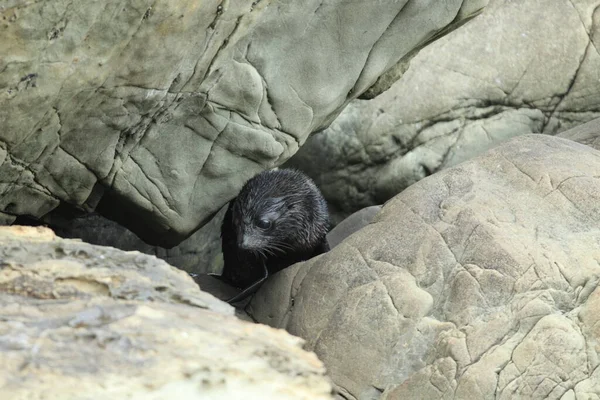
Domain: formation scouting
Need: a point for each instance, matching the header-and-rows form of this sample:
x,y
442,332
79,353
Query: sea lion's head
x,y
278,212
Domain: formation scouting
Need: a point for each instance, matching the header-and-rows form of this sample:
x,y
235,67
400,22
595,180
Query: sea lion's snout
x,y
244,243
249,241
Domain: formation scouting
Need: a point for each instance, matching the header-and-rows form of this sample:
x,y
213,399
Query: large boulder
x,y
88,322
156,112
520,67
480,281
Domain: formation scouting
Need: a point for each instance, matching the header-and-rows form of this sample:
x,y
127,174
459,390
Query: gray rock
x,y
588,134
352,224
46,267
155,113
82,321
480,281
199,254
520,67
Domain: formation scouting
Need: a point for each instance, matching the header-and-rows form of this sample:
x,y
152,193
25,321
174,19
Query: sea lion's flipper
x,y
252,288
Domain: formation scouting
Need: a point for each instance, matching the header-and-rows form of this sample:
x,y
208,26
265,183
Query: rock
x,y
352,224
156,113
46,267
199,254
588,134
81,321
480,281
520,67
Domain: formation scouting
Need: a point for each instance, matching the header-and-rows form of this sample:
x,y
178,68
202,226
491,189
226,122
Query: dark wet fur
x,y
300,222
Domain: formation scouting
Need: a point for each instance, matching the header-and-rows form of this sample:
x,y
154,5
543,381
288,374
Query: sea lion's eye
x,y
263,223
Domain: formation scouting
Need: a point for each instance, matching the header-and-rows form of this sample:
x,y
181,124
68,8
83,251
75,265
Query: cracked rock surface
x,y
478,282
155,112
79,321
520,67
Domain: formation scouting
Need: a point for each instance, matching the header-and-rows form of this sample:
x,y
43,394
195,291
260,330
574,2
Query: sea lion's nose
x,y
247,242
242,241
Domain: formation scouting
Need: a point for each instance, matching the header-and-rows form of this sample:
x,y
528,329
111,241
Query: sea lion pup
x,y
279,218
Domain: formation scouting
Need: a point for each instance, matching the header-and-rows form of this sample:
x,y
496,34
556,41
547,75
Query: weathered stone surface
x,y
520,67
50,268
80,321
156,112
480,281
352,224
200,253
588,134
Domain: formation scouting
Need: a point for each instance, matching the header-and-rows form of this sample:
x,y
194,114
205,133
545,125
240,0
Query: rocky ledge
x,y
79,321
